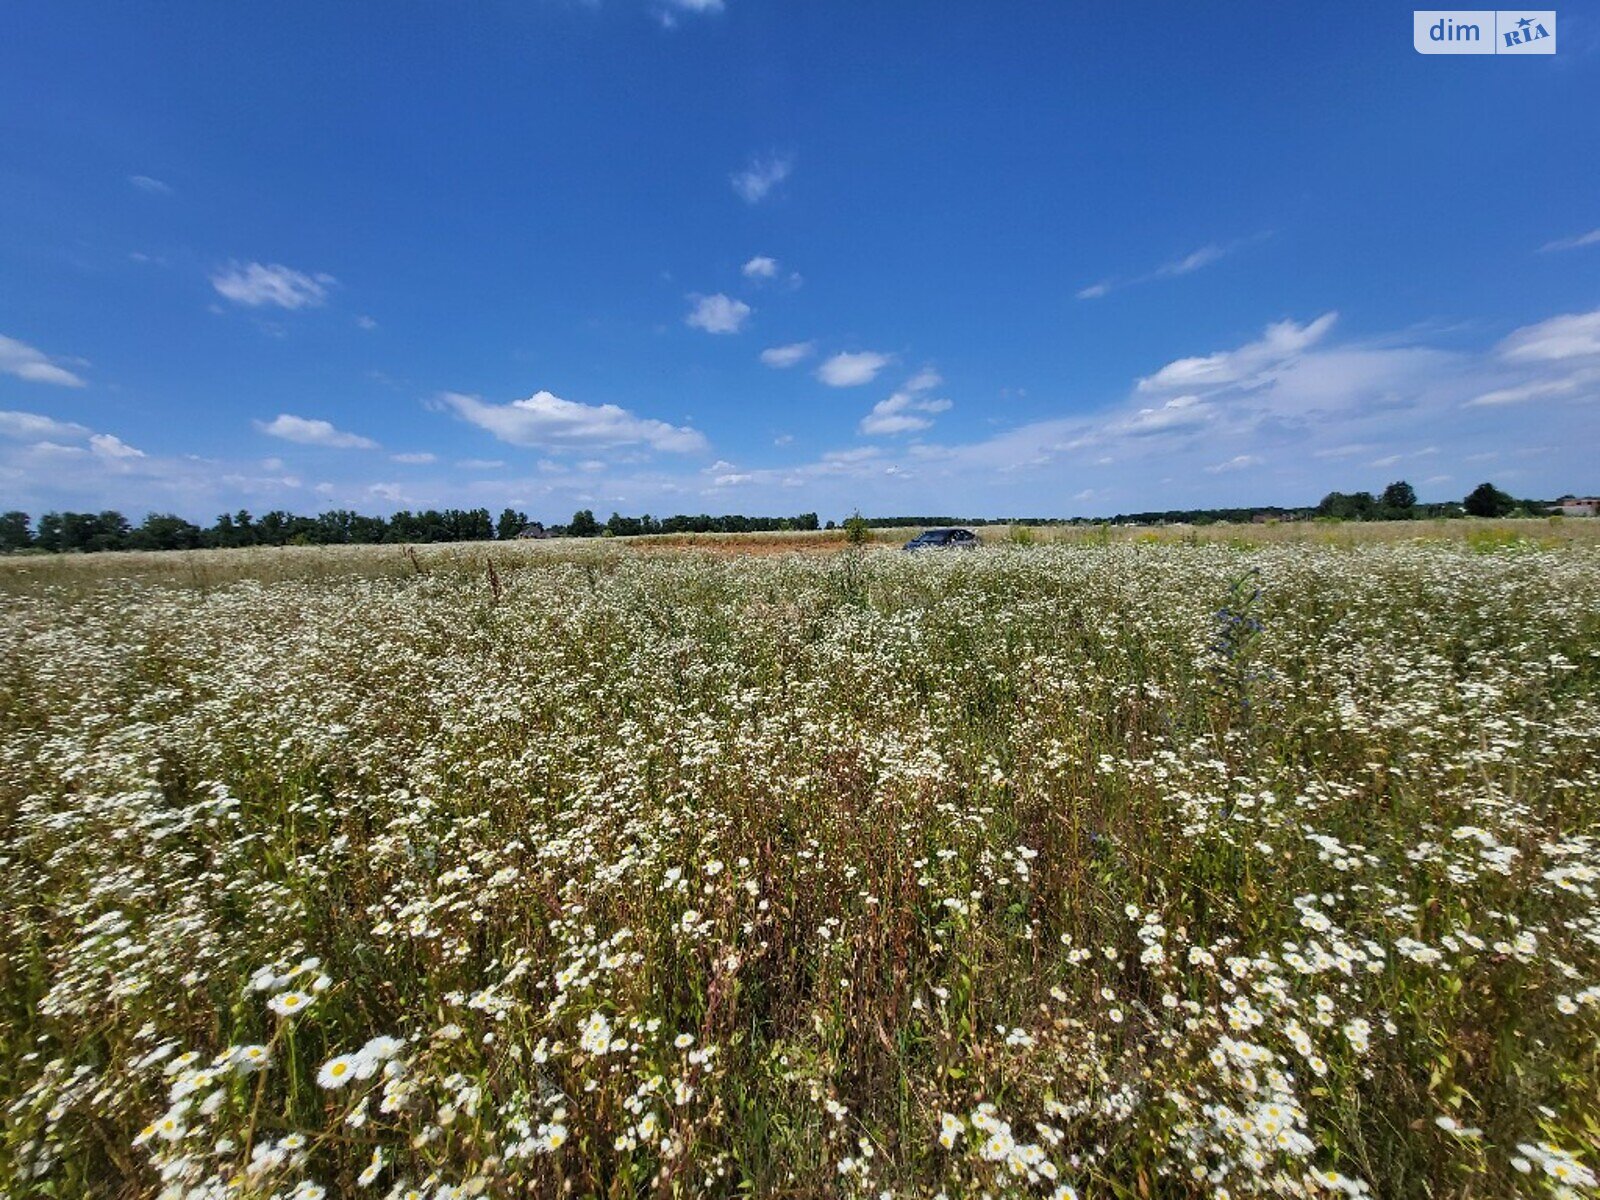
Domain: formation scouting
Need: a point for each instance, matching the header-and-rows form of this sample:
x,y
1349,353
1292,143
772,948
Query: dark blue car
x,y
944,539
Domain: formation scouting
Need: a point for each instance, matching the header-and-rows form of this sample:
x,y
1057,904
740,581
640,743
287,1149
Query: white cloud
x,y
544,419
730,480
1249,363
787,356
852,370
366,322
1592,238
1237,463
256,285
760,176
28,426
309,431
415,457
1187,264
386,491
146,184
899,413
1181,412
1559,388
717,314
23,361
109,446
1202,257
1574,335
858,454
481,464
760,267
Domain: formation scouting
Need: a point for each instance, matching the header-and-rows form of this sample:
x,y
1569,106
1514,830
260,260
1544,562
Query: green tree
x,y
1400,496
1486,500
14,532
510,524
855,529
584,524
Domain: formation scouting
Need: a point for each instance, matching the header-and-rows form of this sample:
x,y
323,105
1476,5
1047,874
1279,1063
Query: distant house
x,y
1578,506
533,529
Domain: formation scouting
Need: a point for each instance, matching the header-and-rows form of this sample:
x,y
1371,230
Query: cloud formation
x,y
1184,265
901,412
1592,238
146,184
852,370
256,285
23,361
1573,335
760,267
787,356
760,176
1280,344
28,426
545,420
310,431
717,314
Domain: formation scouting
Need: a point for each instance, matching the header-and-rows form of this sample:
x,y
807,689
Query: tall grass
x,y
1109,870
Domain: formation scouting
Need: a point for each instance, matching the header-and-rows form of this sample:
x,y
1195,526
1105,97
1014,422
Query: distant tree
x,y
15,533
583,524
1400,496
165,531
510,524
1486,500
1356,506
855,529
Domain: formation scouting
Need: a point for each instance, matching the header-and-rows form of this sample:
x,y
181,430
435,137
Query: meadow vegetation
x,y
1141,864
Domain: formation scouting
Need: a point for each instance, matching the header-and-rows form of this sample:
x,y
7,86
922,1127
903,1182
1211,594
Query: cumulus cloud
x,y
546,420
1573,335
309,431
1592,238
256,285
23,361
110,446
760,267
787,356
30,426
852,370
902,412
1279,345
414,457
897,414
760,176
146,184
717,314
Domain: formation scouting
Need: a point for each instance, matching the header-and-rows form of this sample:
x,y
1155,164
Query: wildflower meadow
x,y
1105,869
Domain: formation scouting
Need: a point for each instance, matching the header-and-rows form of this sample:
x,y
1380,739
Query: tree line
x,y
75,532
69,532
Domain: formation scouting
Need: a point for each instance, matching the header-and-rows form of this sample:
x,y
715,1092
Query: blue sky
x,y
746,256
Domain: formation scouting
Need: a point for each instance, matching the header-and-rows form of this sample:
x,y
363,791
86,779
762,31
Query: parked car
x,y
944,539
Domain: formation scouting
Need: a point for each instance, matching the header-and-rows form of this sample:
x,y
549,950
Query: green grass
x,y
1025,845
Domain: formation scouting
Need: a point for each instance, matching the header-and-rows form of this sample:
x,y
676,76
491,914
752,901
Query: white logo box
x,y
1484,31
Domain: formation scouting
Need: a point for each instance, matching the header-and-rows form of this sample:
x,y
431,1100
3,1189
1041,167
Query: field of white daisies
x,y
1050,871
